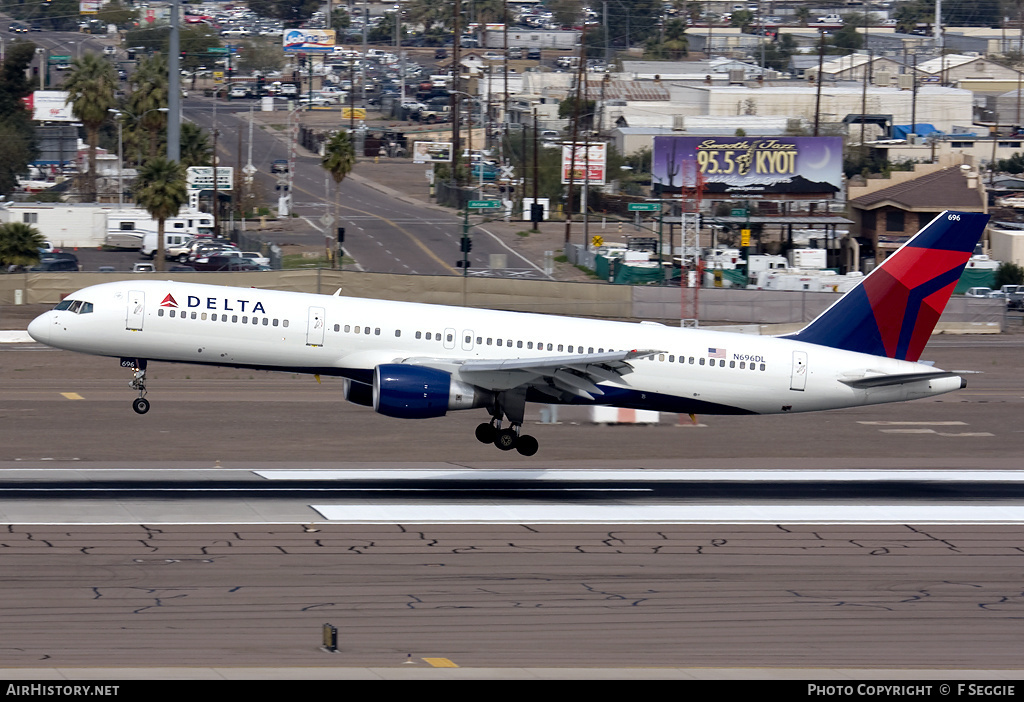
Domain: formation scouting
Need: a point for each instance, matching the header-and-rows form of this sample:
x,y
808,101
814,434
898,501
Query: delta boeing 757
x,y
416,361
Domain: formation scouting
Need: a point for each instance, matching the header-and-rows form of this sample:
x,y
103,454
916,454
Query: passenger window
x,y
234,317
529,345
499,342
160,312
519,344
275,322
366,330
337,327
266,321
428,335
702,361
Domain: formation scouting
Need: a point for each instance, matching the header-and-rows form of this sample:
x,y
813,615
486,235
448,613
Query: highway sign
x,y
480,204
738,213
644,207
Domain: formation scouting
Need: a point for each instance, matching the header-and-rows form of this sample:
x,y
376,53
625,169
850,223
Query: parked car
x,y
143,268
978,292
224,263
256,257
55,265
1015,301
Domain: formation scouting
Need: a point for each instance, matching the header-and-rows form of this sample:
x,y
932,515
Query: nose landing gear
x,y
140,404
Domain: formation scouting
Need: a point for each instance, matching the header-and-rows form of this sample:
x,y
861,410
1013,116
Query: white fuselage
x,y
694,371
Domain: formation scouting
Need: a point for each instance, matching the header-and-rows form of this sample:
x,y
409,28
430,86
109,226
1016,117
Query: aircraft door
x,y
467,339
315,327
798,380
449,338
136,310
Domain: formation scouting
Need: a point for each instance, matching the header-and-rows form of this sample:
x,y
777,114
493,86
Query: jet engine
x,y
418,392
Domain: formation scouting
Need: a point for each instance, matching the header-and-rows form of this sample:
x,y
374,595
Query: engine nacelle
x,y
358,393
417,392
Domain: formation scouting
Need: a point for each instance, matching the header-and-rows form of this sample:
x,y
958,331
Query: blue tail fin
x,y
894,310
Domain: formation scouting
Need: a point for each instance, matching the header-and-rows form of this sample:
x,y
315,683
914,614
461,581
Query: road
x,y
385,232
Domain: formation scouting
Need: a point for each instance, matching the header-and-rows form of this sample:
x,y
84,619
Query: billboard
x,y
748,166
51,106
309,40
590,163
432,152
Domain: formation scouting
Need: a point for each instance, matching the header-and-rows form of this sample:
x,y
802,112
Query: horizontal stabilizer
x,y
877,381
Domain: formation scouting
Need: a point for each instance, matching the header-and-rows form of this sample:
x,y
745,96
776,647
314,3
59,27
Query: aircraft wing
x,y
557,376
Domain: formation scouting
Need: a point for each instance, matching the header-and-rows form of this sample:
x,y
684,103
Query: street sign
x,y
481,204
59,59
644,207
738,213
217,50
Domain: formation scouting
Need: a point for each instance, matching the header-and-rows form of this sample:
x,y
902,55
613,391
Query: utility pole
x,y
174,85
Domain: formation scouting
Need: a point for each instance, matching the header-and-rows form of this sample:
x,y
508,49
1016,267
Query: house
x,y
888,211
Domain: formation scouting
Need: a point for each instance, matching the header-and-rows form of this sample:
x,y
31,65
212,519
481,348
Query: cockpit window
x,y
76,306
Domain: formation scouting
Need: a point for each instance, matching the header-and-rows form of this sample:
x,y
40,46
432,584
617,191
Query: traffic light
x,y
341,235
466,245
302,60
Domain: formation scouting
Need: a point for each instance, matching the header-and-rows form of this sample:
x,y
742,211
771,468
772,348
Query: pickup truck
x,y
830,19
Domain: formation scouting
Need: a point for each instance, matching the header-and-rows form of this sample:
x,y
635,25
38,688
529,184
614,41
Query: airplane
x,y
416,361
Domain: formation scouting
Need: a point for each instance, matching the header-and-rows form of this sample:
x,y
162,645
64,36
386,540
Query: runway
x,y
101,494
520,570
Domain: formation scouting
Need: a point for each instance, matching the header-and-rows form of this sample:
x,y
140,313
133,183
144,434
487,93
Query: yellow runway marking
x,y
440,663
72,395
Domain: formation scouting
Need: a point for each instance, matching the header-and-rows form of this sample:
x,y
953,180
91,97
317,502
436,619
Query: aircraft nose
x,y
39,328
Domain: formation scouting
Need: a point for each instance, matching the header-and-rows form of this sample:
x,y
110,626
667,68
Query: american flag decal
x,y
716,353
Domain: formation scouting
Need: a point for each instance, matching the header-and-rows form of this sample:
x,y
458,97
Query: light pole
x,y
119,114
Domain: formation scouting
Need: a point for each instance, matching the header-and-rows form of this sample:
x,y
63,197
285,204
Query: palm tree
x,y
149,94
160,190
19,244
195,145
91,87
339,160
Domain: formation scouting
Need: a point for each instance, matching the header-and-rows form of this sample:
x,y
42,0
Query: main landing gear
x,y
511,405
140,404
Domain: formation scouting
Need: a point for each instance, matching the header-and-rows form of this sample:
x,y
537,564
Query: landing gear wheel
x,y
527,445
140,405
506,439
486,433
